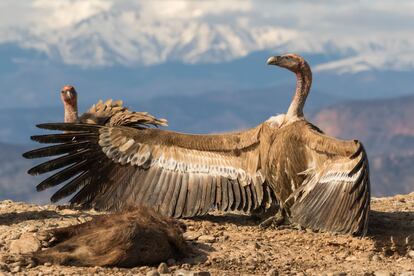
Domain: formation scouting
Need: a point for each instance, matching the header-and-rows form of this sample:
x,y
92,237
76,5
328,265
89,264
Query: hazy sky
x,y
377,33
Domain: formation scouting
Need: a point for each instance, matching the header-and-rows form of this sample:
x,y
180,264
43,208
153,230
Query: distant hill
x,y
386,128
15,183
207,112
384,125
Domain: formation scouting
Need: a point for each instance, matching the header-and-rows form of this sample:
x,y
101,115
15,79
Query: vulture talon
x,y
275,221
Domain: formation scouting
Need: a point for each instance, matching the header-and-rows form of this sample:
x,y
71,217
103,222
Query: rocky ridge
x,y
231,244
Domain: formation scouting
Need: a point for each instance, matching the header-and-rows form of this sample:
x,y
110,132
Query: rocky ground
x,y
233,244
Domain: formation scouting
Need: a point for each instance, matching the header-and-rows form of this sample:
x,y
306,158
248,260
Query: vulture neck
x,y
303,84
71,113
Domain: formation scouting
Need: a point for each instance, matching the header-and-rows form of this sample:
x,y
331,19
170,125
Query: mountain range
x,y
103,33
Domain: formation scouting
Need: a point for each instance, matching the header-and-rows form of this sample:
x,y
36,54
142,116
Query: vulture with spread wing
x,y
111,158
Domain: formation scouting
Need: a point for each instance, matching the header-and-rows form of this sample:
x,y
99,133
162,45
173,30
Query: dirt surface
x,y
233,244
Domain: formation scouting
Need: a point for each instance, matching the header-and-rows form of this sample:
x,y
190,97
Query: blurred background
x,y
201,65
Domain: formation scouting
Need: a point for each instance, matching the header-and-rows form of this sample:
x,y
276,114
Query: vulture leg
x,y
278,219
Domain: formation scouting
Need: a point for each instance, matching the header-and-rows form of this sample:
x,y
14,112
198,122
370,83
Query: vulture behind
x,y
318,181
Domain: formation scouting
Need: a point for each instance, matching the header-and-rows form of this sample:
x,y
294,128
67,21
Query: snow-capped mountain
x,y
142,35
364,35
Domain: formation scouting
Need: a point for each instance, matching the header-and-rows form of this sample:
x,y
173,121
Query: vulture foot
x,y
277,220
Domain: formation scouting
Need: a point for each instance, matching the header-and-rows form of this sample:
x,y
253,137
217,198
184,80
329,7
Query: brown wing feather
x,y
177,174
335,193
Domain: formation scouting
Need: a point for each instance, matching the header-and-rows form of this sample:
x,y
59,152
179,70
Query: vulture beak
x,y
273,60
69,95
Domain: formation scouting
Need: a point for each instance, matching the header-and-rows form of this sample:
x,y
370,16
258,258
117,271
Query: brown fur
x,y
132,238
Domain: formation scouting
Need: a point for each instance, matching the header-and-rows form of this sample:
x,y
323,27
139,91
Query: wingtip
x,y
34,138
54,199
28,155
33,172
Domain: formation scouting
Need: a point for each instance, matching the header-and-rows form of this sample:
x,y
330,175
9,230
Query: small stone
x,y
27,243
68,212
251,261
53,239
191,235
351,258
182,272
95,269
410,254
163,268
222,238
4,267
376,258
186,266
251,267
206,238
272,272
32,229
382,273
153,273
16,269
47,264
42,236
15,236
16,263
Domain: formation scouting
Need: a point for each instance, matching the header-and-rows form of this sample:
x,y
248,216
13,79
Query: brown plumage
x,y
318,181
109,113
131,238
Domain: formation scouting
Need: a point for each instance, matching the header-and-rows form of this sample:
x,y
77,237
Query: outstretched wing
x,y
335,195
177,174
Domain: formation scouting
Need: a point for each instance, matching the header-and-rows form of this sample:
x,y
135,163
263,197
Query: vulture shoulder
x,y
179,175
335,192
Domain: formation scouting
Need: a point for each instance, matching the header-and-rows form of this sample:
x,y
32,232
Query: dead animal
x,y
133,238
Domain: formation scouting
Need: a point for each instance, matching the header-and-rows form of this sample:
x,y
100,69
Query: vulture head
x,y
292,62
70,102
69,95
